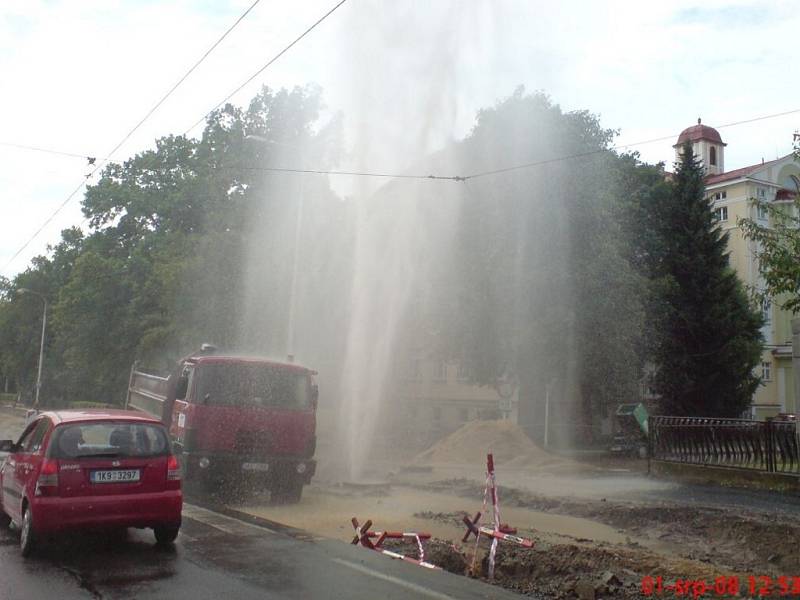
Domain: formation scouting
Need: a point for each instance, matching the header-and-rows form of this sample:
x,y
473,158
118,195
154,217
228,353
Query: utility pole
x,y
796,359
41,344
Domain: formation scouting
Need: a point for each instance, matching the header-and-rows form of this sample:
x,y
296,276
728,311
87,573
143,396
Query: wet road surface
x,y
219,556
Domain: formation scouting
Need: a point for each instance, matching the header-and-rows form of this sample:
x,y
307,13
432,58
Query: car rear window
x,y
108,439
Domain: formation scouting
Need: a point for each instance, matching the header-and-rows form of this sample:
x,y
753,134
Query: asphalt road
x,y
220,556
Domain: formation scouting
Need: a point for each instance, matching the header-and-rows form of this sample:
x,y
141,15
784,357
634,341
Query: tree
x,y
165,265
543,288
778,251
709,339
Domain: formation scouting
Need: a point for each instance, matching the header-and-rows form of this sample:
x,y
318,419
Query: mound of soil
x,y
471,443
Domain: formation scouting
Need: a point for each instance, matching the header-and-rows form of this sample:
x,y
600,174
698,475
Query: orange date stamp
x,y
762,586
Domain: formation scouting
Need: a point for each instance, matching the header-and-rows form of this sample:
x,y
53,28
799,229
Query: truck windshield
x,y
252,385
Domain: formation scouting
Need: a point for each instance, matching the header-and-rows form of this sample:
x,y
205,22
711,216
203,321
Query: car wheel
x,y
166,534
27,538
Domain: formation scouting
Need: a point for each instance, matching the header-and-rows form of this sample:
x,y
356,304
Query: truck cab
x,y
237,421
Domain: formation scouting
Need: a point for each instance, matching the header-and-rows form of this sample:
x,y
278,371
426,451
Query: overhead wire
x,y
618,147
127,136
46,150
351,173
265,66
447,177
455,178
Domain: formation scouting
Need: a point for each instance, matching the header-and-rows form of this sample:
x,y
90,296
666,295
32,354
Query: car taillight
x,y
173,469
47,483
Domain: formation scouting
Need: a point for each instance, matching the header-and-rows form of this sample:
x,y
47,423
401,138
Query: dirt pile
x,y
568,571
508,443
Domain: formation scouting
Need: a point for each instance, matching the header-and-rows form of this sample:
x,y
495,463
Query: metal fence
x,y
772,446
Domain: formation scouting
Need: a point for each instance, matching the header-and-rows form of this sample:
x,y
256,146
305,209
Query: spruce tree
x,y
708,333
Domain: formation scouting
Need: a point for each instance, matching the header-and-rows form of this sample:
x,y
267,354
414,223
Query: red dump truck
x,y
236,421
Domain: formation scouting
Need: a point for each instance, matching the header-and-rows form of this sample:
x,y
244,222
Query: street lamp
x,y
41,346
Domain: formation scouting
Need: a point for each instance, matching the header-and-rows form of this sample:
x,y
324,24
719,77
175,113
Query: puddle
x,y
328,513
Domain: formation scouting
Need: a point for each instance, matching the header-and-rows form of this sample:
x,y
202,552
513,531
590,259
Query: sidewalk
x,y
12,422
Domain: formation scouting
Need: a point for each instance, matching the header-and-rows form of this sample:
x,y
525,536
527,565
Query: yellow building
x,y
732,193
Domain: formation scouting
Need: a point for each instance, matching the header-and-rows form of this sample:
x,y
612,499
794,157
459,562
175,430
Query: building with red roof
x,y
744,193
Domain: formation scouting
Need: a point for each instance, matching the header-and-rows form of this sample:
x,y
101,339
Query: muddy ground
x,y
587,544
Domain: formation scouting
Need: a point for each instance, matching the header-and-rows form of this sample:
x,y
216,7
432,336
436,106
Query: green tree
x,y
778,251
546,290
709,339
163,267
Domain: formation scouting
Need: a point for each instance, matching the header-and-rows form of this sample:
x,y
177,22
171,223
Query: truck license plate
x,y
116,476
248,466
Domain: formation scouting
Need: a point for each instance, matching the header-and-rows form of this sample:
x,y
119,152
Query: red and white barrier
x,y
364,536
499,531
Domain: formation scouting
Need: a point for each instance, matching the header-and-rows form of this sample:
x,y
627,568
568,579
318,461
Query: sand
x,y
508,443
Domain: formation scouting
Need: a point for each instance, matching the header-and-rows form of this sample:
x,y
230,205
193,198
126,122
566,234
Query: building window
x,y
721,213
441,371
463,372
724,194
766,312
766,371
417,370
720,195
762,193
712,156
763,213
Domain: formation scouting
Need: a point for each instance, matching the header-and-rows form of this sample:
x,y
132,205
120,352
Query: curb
x,y
22,409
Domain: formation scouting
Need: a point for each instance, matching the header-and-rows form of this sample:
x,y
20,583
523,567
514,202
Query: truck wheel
x,y
288,492
27,538
166,534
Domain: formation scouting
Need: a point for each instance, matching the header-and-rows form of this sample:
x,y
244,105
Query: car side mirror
x,y
6,445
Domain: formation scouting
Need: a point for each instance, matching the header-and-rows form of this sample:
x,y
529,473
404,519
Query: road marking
x,y
214,519
397,581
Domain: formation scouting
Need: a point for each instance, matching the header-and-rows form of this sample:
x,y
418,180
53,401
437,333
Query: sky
x,y
407,76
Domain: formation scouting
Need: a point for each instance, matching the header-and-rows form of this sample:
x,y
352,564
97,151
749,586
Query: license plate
x,y
116,476
255,466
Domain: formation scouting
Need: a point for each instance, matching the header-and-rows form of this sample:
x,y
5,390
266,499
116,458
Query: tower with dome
x,y
732,192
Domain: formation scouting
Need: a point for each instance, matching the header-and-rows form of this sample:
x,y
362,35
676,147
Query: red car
x,y
90,469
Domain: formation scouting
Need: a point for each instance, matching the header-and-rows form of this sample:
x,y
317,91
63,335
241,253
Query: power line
x,y
131,132
46,150
262,69
189,72
618,146
352,173
523,165
454,177
45,224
